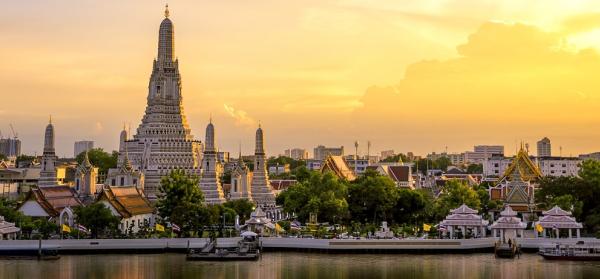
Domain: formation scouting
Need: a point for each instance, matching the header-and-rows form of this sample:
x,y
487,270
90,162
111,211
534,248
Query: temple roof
x,y
556,211
7,227
463,216
559,218
527,169
399,173
127,200
338,166
53,199
463,209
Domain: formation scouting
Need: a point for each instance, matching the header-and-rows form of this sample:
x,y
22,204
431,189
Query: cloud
x,y
510,80
581,23
98,128
241,117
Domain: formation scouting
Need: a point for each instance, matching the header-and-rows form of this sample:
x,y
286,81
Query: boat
x,y
506,250
247,250
572,252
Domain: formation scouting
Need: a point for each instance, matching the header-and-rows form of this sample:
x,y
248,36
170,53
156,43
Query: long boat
x,y
573,252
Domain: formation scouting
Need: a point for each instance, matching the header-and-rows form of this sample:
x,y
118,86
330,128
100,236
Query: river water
x,y
300,265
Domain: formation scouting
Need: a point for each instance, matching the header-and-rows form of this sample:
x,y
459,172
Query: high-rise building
x,y
544,148
321,152
163,141
387,153
261,191
82,146
296,153
10,147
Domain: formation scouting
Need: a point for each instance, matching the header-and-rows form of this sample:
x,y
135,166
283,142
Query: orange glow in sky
x,y
406,75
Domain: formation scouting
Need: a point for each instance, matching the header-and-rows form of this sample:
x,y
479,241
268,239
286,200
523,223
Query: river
x,y
300,265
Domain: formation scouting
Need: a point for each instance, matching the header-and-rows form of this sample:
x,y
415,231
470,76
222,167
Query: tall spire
x,y
166,41
49,138
210,137
260,145
86,160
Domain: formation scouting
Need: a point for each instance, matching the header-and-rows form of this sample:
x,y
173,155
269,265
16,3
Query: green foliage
x,y
177,190
242,207
475,168
282,160
97,218
3,157
8,209
372,197
24,158
323,194
454,194
45,228
100,159
410,206
441,163
396,158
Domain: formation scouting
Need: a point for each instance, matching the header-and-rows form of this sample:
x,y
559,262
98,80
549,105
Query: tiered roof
x,y
508,220
338,166
53,199
464,216
557,218
7,227
127,200
527,169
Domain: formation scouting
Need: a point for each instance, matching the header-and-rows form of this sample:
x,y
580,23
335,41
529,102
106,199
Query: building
x,y
8,230
223,157
261,191
544,148
10,147
489,150
241,179
210,183
48,166
51,201
82,146
515,188
358,165
457,159
464,220
387,153
296,153
321,152
557,219
125,175
279,169
163,141
339,167
129,205
508,226
86,178
590,156
548,166
400,174
313,164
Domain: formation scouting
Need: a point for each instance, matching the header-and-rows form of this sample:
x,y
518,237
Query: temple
x,y
557,220
337,166
163,141
241,179
210,183
48,171
508,226
516,187
464,221
261,191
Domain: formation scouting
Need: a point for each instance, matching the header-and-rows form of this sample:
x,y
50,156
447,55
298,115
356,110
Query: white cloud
x,y
241,117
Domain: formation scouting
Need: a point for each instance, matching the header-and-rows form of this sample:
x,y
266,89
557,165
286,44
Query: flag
x,y
82,228
539,228
66,228
175,228
278,228
426,227
159,228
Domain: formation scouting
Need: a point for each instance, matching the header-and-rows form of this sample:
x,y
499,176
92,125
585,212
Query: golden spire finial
x,y
167,10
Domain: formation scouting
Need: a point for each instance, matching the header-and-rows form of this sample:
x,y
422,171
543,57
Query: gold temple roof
x,y
338,166
527,169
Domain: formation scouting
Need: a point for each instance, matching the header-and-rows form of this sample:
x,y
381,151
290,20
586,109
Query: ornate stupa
x,y
261,191
163,141
48,171
241,179
210,183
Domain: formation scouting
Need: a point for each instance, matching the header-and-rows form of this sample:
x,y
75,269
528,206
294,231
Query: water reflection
x,y
300,265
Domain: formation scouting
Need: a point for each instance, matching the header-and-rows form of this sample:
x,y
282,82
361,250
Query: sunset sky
x,y
406,75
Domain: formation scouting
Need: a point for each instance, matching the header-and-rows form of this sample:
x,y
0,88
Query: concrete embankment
x,y
180,245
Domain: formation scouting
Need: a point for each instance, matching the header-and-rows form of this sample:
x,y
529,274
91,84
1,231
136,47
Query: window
x,y
122,181
135,182
113,182
77,186
496,171
495,165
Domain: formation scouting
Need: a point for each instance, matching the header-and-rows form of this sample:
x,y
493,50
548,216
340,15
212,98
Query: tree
x,y
3,157
177,189
475,168
242,208
323,194
22,159
410,206
100,158
372,197
454,194
97,218
45,228
396,158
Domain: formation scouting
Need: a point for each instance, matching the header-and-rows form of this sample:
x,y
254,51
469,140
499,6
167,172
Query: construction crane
x,y
15,135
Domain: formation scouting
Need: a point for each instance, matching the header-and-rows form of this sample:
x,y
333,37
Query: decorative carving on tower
x,y
241,179
210,183
85,180
48,171
261,190
163,141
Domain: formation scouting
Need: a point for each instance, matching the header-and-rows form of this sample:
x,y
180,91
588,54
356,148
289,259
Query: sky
x,y
421,76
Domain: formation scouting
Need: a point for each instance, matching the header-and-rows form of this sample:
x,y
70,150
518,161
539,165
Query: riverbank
x,y
180,245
